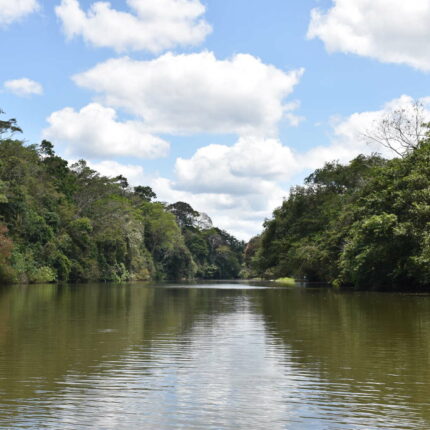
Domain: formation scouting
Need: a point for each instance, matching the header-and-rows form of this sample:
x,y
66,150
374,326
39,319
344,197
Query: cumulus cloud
x,y
14,10
95,132
237,185
23,87
240,185
244,168
194,93
351,135
252,176
240,215
134,174
153,25
393,31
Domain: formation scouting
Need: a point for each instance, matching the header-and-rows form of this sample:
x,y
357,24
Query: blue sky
x,y
224,104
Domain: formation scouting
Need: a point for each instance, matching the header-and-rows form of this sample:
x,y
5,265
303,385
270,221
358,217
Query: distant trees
x,y
217,254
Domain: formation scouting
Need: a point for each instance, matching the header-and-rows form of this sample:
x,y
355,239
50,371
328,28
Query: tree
x,y
145,193
306,234
121,181
72,224
400,130
10,126
203,221
184,213
46,148
91,187
6,245
3,197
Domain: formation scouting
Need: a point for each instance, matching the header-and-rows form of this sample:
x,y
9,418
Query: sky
x,y
224,104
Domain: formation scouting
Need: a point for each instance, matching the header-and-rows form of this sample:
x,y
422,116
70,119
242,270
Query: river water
x,y
214,356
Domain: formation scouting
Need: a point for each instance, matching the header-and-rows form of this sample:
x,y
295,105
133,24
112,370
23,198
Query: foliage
x,y
286,281
184,213
70,224
365,224
145,193
6,246
9,126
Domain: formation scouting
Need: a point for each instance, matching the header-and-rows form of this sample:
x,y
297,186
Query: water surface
x,y
214,356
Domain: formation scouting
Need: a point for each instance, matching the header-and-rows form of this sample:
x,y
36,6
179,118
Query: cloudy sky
x,y
224,104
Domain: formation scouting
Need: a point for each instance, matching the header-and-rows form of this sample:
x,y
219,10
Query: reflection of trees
x,y
369,341
49,332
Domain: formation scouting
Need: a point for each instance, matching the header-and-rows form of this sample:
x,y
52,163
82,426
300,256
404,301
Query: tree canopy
x,y
69,223
365,224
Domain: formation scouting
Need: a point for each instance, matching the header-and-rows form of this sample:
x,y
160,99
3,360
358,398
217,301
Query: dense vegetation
x,y
365,224
69,223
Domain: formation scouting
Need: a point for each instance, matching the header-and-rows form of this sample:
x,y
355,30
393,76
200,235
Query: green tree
x,y
72,224
145,193
9,126
184,213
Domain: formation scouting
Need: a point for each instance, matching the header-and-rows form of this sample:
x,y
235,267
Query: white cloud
x,y
244,168
94,132
241,216
238,186
393,31
154,25
349,134
13,10
23,87
194,93
135,174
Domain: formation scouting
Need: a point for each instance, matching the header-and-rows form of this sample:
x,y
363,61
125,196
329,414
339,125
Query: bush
x,y
42,275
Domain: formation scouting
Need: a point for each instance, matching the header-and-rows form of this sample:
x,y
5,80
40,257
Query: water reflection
x,y
198,357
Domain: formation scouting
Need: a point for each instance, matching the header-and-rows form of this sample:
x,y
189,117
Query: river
x,y
212,356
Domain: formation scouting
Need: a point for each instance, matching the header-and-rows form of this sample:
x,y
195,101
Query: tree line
x,y
365,224
68,223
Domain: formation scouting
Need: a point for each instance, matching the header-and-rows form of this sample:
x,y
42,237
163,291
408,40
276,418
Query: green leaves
x,y
9,126
3,197
69,223
365,224
375,252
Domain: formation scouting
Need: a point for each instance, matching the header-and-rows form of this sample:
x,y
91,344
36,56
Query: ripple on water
x,y
196,358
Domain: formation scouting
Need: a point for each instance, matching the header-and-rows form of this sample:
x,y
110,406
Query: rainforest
x,y
365,225
67,223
